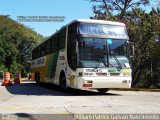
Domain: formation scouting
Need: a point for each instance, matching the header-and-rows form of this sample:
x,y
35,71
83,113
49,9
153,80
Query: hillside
x,y
16,44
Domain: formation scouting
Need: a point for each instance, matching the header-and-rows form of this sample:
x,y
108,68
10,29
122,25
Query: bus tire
x,y
103,90
37,78
63,83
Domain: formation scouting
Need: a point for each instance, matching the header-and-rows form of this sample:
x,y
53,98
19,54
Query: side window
x,y
58,42
71,46
48,47
52,44
36,53
62,39
39,51
42,50
33,54
55,43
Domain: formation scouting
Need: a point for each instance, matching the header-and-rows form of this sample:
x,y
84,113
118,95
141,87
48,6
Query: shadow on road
x,y
44,116
50,90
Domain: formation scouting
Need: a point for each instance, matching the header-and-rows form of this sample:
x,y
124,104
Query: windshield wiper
x,y
118,63
101,60
104,62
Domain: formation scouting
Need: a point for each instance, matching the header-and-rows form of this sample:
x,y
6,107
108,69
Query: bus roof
x,y
97,21
90,21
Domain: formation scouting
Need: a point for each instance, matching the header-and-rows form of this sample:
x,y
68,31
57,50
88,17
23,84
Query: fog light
x,y
126,81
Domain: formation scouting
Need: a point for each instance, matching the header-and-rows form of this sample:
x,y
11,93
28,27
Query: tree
x,y
106,8
143,29
16,44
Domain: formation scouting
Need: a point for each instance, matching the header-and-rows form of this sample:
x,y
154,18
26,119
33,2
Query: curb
x,y
136,89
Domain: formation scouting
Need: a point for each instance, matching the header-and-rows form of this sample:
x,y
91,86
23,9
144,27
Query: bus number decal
x,y
94,70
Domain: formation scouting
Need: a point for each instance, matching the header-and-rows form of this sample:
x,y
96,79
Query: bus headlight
x,y
87,81
126,81
126,74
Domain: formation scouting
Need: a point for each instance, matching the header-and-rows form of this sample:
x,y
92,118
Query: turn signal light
x,y
87,85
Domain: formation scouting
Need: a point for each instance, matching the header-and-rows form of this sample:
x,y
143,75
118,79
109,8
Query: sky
x,y
70,9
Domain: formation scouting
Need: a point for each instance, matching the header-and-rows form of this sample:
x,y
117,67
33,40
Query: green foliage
x,y
16,44
143,29
3,68
107,8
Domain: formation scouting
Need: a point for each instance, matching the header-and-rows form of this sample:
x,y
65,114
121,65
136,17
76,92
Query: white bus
x,y
85,54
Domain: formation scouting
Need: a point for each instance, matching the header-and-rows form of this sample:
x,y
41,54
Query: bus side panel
x,y
52,67
48,69
41,68
61,66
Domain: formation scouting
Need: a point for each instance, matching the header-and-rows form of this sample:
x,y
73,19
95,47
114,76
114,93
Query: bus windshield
x,y
93,52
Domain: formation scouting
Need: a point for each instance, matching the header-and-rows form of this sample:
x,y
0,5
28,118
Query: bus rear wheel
x,y
37,78
103,90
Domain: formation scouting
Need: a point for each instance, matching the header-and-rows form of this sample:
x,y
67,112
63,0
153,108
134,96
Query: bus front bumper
x,y
101,82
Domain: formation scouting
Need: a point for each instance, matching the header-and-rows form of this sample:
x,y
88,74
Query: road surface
x,y
27,99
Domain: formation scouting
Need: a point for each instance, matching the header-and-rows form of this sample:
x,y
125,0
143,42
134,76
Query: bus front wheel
x,y
103,90
63,84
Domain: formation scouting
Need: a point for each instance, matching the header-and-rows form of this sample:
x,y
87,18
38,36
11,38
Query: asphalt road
x,y
28,99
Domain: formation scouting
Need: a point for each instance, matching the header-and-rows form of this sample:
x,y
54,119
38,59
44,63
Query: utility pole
x,y
159,4
151,70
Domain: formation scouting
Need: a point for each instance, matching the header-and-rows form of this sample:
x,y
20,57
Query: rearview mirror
x,y
131,47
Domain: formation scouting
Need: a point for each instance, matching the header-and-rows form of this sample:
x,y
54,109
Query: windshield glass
x,y
93,52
